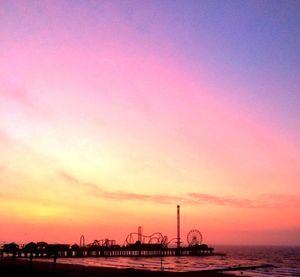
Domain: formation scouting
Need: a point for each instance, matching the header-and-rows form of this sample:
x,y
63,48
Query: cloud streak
x,y
192,198
221,201
98,191
18,95
157,198
73,180
23,98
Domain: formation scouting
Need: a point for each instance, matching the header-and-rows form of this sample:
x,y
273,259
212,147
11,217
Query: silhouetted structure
x,y
131,250
136,244
178,226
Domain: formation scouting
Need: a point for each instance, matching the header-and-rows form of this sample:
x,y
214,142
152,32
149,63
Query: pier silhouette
x,y
136,244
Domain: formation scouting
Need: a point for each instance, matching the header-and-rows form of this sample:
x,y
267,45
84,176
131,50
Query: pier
x,y
44,250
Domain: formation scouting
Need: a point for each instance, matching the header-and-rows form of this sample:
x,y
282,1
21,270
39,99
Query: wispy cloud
x,y
158,198
99,191
18,95
280,200
23,98
192,198
221,201
261,201
72,179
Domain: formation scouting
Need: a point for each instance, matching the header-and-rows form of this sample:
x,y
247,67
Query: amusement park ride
x,y
194,237
136,244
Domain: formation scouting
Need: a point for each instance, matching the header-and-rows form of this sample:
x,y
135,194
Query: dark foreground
x,y
18,267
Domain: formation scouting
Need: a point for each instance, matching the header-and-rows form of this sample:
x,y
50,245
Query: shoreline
x,y
19,267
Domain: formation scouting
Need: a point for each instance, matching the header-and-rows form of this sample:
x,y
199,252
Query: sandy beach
x,y
21,267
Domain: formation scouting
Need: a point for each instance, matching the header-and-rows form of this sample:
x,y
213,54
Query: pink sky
x,y
105,125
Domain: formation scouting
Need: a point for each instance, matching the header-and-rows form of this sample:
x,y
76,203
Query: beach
x,y
22,267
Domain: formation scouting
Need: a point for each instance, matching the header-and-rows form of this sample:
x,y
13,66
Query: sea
x,y
285,259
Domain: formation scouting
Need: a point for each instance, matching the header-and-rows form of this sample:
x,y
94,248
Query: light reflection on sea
x,y
285,259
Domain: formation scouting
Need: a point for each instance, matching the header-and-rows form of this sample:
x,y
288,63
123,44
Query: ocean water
x,y
285,259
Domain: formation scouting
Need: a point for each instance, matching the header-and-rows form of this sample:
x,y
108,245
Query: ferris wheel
x,y
194,237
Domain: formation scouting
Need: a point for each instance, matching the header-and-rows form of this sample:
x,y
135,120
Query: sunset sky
x,y
114,112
